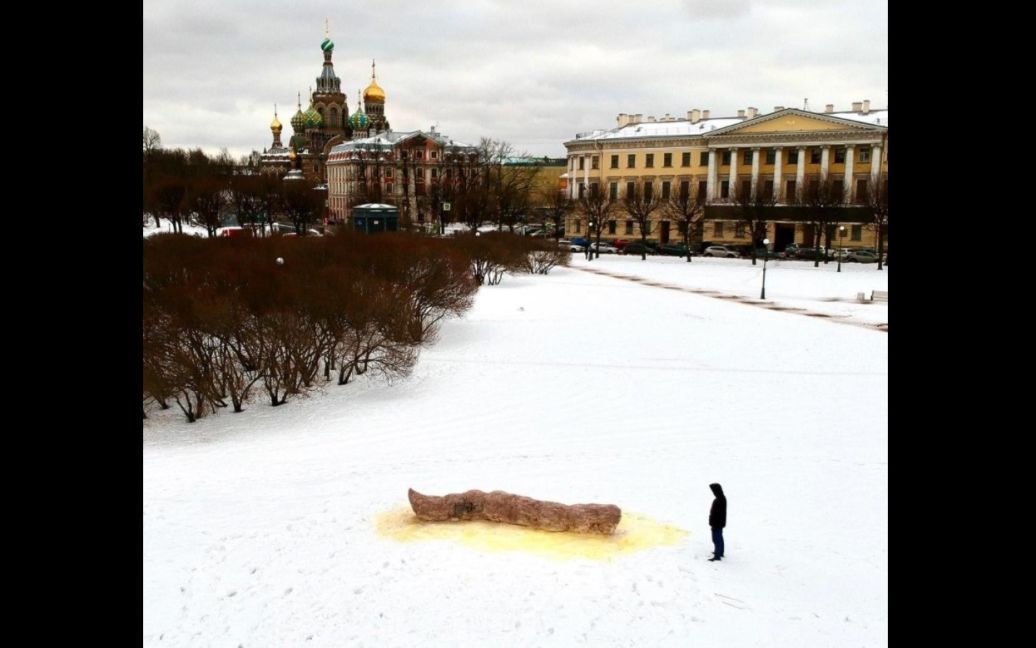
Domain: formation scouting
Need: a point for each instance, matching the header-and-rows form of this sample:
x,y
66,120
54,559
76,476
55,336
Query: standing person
x,y
717,520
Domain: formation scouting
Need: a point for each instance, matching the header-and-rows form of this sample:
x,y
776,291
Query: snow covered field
x,y
286,526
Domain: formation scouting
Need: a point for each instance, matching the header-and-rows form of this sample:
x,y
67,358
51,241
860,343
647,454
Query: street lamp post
x,y
766,257
841,247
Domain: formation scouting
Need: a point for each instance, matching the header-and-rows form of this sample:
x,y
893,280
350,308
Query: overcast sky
x,y
530,72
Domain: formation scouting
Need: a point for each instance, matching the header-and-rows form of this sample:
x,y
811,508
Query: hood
x,y
717,490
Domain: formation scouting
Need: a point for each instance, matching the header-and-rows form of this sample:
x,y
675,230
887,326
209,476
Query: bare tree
x,y
752,209
557,205
877,200
301,204
152,141
688,210
640,204
597,205
823,199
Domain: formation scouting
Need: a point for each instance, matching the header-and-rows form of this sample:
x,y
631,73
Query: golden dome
x,y
374,92
275,124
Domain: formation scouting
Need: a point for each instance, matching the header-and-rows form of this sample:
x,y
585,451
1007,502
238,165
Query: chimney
x,y
667,117
866,106
752,112
857,106
741,113
639,117
829,108
693,115
778,108
705,114
651,118
622,119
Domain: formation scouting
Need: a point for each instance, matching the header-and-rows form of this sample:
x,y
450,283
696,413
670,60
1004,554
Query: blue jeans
x,y
717,540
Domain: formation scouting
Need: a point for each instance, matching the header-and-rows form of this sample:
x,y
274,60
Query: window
x,y
685,159
665,190
739,230
746,188
768,189
789,192
865,155
814,155
681,227
861,190
647,228
578,223
582,191
724,189
703,187
717,229
667,159
388,188
726,158
449,173
649,160
857,233
388,172
771,156
630,189
435,155
615,162
840,155
746,157
581,164
793,157
594,188
613,190
594,162
435,173
419,155
685,187
611,227
648,191
631,160
703,158
629,227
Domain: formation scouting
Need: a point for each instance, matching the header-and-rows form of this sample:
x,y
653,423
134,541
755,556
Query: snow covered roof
x,y
684,128
388,139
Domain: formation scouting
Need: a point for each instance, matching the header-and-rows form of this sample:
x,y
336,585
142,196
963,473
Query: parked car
x,y
578,244
620,243
862,256
636,247
605,248
673,249
720,251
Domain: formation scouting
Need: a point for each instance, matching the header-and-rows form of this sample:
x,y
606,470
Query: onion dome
x,y
327,45
374,91
313,118
299,120
358,120
275,125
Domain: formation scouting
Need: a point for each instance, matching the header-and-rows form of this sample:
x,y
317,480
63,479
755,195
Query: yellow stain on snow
x,y
634,533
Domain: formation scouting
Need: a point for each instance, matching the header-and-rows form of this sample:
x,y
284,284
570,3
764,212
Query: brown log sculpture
x,y
499,506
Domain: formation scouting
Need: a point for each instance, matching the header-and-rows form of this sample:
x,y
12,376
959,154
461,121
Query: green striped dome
x,y
358,120
327,45
313,118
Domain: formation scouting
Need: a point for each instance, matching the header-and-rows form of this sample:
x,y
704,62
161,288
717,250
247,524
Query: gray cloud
x,y
533,72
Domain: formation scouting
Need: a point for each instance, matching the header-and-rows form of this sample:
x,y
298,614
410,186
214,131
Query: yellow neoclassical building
x,y
781,153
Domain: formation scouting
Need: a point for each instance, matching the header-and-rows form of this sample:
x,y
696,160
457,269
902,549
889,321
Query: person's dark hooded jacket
x,y
718,512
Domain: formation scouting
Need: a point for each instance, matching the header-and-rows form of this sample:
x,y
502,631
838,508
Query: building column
x,y
710,177
778,190
755,171
847,185
825,162
800,174
732,176
875,164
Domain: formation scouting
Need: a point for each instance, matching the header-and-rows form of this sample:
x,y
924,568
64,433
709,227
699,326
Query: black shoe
x,y
714,558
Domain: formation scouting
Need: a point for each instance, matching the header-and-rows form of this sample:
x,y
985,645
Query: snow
x,y
287,526
167,227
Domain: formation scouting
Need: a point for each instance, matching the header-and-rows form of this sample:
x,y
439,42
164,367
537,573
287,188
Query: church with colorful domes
x,y
325,123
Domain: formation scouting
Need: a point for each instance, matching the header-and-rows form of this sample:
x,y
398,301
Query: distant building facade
x,y
781,154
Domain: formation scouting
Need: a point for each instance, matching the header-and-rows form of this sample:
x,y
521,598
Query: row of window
x,y
718,227
863,154
724,188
